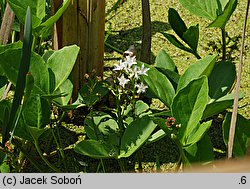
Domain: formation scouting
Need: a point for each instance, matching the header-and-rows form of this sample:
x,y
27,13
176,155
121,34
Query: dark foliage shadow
x,y
124,38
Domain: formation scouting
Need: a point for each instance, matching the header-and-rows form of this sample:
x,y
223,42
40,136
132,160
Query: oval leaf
x,y
220,84
160,86
94,149
61,63
207,9
135,135
199,68
242,134
188,106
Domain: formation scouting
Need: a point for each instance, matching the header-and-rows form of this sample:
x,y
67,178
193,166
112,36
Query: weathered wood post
x,y
84,24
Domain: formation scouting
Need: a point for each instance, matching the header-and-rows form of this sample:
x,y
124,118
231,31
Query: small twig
x,y
236,98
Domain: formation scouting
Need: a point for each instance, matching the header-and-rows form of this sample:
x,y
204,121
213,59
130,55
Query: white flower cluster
x,y
132,71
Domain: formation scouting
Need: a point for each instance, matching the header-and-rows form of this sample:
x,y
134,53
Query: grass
x,y
126,30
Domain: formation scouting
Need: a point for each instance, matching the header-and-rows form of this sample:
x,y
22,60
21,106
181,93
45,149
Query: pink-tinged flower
x,y
123,81
170,121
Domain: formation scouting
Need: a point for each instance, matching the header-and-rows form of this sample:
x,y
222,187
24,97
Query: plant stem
x,y
59,146
196,55
26,154
59,142
44,159
103,167
183,159
121,165
133,99
223,32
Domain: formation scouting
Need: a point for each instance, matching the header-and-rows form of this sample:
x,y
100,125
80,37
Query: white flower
x,y
131,60
120,66
123,81
141,88
143,70
134,72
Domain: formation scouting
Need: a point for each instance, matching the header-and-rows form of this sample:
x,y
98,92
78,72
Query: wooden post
x,y
84,24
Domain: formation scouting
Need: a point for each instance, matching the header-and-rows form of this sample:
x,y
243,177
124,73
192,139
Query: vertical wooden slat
x,y
58,27
83,24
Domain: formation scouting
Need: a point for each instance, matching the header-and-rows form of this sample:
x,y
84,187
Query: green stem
x,y
34,43
59,142
223,32
103,167
26,154
44,159
120,162
197,55
183,159
133,99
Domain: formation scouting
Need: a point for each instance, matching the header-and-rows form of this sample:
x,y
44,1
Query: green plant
x,y
45,84
218,12
122,132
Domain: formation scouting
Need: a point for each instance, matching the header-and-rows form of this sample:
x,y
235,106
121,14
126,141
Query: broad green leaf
x,y
220,84
135,135
163,60
47,54
10,62
188,106
202,151
45,26
93,94
15,45
61,63
176,23
208,9
160,86
198,134
39,71
199,68
5,167
2,89
219,105
4,104
191,37
95,149
140,107
66,88
222,19
176,42
36,111
93,122
37,10
171,75
156,136
242,134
